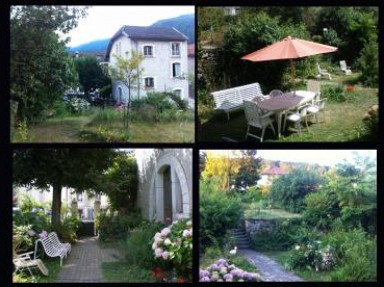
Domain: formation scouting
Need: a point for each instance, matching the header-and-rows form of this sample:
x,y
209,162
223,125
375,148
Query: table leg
x,y
278,119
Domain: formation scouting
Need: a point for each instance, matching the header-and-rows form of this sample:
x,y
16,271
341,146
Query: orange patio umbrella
x,y
289,48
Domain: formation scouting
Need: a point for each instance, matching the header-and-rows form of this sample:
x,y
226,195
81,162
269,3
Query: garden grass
x,y
122,272
95,128
342,123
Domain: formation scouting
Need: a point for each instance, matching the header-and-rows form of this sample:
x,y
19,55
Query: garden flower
x,y
43,234
31,232
167,241
221,261
165,255
165,231
228,277
187,233
223,270
154,245
158,252
297,247
189,222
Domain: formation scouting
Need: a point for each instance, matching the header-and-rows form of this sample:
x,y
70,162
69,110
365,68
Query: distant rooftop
x,y
274,170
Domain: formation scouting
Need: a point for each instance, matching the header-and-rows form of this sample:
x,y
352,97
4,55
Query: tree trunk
x,y
56,206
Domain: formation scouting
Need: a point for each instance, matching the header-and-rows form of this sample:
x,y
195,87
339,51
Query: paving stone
x,y
268,268
83,264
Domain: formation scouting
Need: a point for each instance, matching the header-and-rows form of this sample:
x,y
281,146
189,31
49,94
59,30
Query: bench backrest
x,y
236,95
51,245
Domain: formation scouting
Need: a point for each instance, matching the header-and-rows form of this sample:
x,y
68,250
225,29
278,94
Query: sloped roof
x,y
274,170
147,33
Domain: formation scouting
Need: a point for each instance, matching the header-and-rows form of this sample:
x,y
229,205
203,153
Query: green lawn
x,y
341,122
107,126
121,272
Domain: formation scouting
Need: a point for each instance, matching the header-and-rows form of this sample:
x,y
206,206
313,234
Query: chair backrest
x,y
275,93
302,110
228,95
343,65
253,114
50,245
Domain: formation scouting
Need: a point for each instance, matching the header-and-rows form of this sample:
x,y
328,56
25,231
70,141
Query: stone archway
x,y
169,193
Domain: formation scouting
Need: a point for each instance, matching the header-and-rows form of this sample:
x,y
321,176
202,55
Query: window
x,y
176,70
148,51
175,49
149,82
79,197
178,92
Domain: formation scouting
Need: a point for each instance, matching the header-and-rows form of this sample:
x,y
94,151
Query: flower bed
x,y
221,271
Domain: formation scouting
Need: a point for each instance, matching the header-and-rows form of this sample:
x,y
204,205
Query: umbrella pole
x,y
292,73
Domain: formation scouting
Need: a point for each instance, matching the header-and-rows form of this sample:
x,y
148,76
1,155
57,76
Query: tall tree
x,y
76,168
248,173
40,68
91,75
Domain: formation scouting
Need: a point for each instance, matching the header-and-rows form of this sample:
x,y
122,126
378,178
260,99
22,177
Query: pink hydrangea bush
x,y
173,244
221,271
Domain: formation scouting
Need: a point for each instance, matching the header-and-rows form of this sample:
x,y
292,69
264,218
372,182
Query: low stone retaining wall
x,y
258,225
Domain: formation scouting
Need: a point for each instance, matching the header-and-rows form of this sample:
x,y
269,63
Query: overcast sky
x,y
322,157
104,21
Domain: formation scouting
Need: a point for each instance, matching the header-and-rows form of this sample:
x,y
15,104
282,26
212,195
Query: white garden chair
x,y
53,247
25,262
297,117
343,66
317,106
257,119
322,72
275,93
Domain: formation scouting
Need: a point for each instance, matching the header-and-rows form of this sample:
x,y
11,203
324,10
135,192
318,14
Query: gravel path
x,y
268,268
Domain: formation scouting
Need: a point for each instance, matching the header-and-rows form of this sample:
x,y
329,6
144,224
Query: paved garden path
x,y
268,268
84,262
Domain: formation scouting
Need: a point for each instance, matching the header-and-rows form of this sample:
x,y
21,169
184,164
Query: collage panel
x,y
102,74
102,215
287,215
287,73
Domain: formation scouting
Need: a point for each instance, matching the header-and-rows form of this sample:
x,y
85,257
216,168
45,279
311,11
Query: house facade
x,y
269,175
165,183
165,64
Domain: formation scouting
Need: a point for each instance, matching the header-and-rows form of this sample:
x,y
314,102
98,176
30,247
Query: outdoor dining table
x,y
287,101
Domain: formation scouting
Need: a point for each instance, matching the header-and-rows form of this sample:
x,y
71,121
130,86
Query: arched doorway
x,y
169,196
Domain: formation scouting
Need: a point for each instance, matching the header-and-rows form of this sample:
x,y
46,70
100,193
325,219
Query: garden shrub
x,y
78,105
137,245
288,191
282,237
117,226
60,109
174,245
69,229
333,93
218,214
369,64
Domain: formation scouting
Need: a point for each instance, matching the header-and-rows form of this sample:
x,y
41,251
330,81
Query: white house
x,y
165,64
269,175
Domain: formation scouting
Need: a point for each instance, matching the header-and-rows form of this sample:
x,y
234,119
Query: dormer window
x,y
148,51
175,49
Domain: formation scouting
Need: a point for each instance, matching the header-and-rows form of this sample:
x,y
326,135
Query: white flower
x,y
297,247
167,241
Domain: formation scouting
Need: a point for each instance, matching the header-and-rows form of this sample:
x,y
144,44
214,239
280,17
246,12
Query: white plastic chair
x,y
275,93
317,106
257,119
24,261
297,117
322,72
343,66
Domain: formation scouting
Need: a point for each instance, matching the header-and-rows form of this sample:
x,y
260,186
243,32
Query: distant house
x,y
269,175
165,63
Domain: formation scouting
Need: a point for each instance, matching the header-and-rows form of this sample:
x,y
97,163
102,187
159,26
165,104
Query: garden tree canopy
x,y
289,191
76,168
40,68
120,182
91,75
223,166
248,174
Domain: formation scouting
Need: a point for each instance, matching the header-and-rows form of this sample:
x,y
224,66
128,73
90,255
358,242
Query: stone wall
x,y
255,226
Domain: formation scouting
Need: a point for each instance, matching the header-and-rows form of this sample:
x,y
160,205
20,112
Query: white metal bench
x,y
53,247
229,100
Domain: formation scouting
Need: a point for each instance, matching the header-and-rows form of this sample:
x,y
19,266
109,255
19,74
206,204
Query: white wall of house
x,y
159,66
